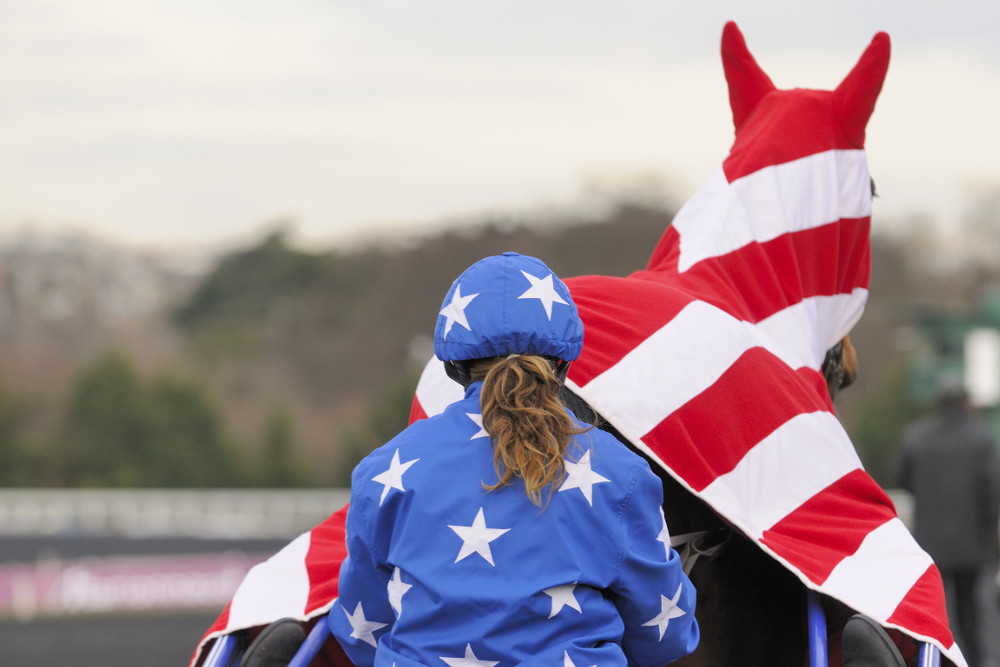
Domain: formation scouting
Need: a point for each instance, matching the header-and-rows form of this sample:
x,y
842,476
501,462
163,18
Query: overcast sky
x,y
199,121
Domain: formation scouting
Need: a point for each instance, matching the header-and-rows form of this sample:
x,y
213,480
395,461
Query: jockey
x,y
504,530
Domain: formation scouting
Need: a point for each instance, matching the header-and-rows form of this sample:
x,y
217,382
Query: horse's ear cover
x,y
854,99
748,83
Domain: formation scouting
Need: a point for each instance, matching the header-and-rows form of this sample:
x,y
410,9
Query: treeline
x,y
294,363
119,431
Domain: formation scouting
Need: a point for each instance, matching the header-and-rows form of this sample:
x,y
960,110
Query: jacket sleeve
x,y
655,598
362,612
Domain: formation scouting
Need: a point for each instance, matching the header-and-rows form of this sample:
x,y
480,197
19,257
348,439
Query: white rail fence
x,y
206,513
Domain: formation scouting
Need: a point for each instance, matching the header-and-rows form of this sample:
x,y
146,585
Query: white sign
x,y
982,366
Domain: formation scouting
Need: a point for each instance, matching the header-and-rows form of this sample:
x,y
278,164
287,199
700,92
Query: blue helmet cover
x,y
508,304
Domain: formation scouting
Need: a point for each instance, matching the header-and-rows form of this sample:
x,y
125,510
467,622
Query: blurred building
x,y
51,281
962,344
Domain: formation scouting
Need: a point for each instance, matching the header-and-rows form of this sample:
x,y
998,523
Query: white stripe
x,y
663,372
689,354
693,350
276,588
435,390
953,653
791,465
878,576
802,333
722,216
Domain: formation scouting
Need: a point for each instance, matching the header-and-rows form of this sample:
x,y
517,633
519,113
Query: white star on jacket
x,y
664,535
397,588
543,290
470,660
455,310
477,537
567,662
580,476
393,477
562,596
477,419
361,627
668,610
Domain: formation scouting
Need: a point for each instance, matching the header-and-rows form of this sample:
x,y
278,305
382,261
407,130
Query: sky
x,y
187,122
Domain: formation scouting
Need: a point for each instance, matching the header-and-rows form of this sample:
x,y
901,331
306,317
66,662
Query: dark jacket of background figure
x,y
949,463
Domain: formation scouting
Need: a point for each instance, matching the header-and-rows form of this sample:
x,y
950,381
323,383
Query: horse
x,y
734,336
719,361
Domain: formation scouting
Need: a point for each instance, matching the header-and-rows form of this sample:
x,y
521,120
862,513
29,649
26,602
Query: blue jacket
x,y
440,571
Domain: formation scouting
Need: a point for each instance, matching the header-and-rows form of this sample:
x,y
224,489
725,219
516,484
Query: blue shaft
x,y
313,643
818,655
223,651
930,656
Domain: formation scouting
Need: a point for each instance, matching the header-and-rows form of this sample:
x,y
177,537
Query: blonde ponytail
x,y
527,422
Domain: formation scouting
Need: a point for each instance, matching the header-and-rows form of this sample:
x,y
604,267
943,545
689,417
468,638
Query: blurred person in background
x,y
949,463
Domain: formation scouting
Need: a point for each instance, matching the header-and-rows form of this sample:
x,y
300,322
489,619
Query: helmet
x,y
508,304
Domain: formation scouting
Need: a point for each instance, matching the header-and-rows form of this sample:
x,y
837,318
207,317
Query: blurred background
x,y
226,228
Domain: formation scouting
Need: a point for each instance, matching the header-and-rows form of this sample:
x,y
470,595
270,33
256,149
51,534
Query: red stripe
x,y
768,277
761,279
751,283
327,548
667,252
223,620
618,314
831,525
202,650
710,434
417,411
815,379
786,125
924,609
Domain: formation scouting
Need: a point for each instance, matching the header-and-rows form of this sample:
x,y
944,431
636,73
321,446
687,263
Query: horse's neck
x,y
784,247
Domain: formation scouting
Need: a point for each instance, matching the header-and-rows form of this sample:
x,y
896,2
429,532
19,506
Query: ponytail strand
x,y
529,426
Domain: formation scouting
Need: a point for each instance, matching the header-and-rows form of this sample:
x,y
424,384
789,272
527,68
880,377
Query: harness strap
x,y
682,539
701,544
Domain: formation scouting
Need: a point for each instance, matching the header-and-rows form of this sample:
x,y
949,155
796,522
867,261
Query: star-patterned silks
x,y
393,477
477,537
664,535
469,660
455,311
489,557
543,290
580,476
397,588
562,596
668,611
505,308
361,627
567,662
477,419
